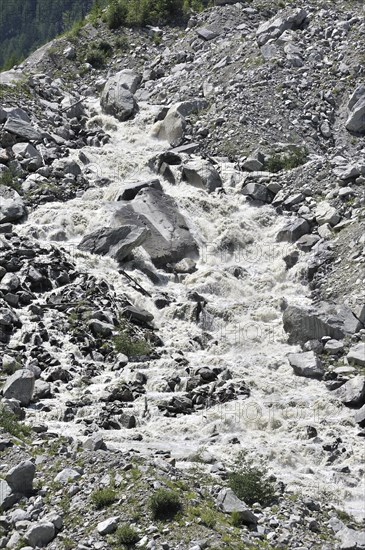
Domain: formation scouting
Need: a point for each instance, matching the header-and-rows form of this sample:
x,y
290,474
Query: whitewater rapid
x,y
242,324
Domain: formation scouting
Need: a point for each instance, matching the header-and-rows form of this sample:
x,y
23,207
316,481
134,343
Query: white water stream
x,y
245,323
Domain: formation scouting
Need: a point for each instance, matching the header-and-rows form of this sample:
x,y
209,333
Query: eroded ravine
x,y
241,323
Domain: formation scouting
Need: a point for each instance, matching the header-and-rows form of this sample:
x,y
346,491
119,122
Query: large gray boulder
x,y
117,98
22,129
303,324
201,174
228,502
12,207
20,386
172,127
40,534
258,192
116,243
360,417
351,539
325,213
20,478
306,364
282,21
352,393
169,239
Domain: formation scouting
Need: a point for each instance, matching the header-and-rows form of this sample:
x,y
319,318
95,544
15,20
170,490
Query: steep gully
x,y
241,324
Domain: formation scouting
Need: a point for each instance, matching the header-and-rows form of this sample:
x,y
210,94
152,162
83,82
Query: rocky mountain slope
x,y
182,316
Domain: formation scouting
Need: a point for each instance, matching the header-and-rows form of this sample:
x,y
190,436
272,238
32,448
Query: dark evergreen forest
x,y
27,24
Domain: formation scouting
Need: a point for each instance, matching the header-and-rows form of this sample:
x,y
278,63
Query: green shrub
x,y
286,161
164,504
122,43
124,343
236,519
96,58
116,14
11,425
101,498
105,47
8,179
251,485
126,535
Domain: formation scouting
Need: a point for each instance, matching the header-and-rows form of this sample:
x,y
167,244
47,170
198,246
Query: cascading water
x,y
241,323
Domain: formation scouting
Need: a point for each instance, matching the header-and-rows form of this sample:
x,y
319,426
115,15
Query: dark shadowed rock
x,y
201,174
131,190
117,243
352,393
169,239
293,230
22,129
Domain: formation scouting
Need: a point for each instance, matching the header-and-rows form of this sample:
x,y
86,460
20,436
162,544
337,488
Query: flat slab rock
x,y
306,364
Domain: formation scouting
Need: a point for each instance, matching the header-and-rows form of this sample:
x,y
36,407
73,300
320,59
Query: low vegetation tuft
x,y
164,504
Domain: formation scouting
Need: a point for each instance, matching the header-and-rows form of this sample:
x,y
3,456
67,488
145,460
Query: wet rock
x,y
293,230
258,192
186,265
312,324
201,174
137,314
94,443
306,364
20,478
117,99
20,386
227,502
352,393
169,239
130,191
360,417
356,355
117,243
72,107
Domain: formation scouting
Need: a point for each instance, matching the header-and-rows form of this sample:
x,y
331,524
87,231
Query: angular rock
x,y
40,534
23,129
169,239
258,192
333,347
67,475
352,393
356,120
131,190
351,539
72,107
20,386
117,99
12,208
201,174
227,502
306,364
312,324
284,20
20,478
26,152
359,93
64,166
136,314
171,129
116,243
293,230
307,242
356,355
94,443
108,526
206,34
325,213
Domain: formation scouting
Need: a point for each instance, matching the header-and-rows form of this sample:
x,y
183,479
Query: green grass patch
x,y
126,536
102,498
11,425
251,484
